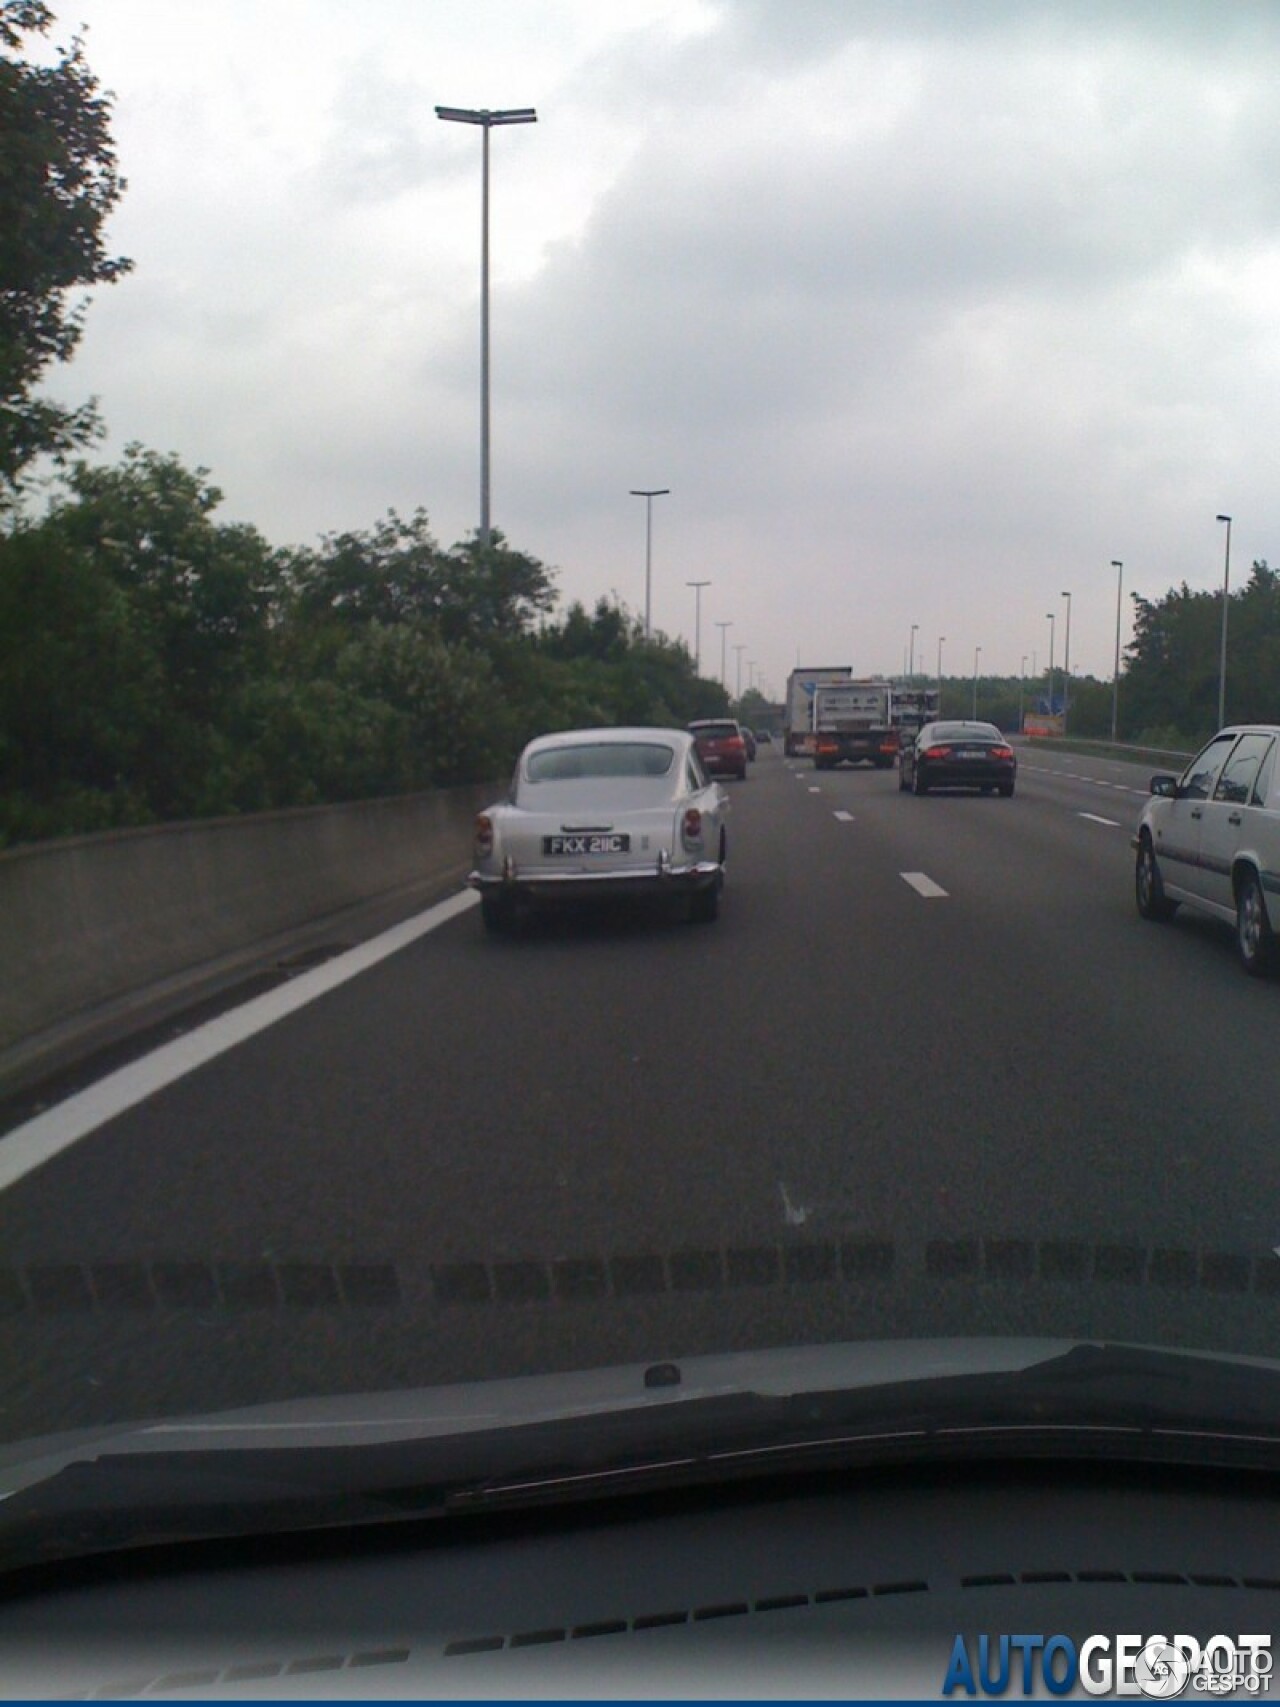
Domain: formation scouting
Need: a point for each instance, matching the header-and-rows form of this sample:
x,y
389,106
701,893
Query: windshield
x,y
354,984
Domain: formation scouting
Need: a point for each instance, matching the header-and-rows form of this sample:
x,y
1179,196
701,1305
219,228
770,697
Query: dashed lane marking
x,y
923,886
1093,818
844,817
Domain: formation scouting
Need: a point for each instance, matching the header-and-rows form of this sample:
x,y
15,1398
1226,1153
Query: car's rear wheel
x,y
920,785
498,913
1006,791
1148,885
704,904
903,784
1254,936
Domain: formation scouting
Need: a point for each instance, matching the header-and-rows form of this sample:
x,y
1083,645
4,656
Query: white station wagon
x,y
1211,838
595,812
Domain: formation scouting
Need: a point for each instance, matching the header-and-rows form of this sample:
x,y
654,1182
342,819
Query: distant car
x,y
750,741
958,755
764,738
721,746
598,812
1211,838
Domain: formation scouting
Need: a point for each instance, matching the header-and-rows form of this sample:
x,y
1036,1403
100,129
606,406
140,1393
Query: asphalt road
x,y
848,1109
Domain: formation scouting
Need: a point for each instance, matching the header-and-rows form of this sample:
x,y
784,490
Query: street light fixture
x,y
1222,657
1118,566
648,494
1066,666
486,120
977,653
697,623
724,628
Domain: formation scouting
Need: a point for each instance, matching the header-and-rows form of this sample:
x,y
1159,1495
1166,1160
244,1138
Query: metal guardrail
x,y
1107,749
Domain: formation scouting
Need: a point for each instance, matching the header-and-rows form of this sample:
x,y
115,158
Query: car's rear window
x,y
975,732
608,758
716,731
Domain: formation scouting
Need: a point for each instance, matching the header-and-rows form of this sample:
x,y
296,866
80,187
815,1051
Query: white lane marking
x,y
1093,818
40,1139
922,885
844,817
794,1214
814,789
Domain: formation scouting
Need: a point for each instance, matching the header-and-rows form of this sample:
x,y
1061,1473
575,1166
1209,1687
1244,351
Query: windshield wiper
x,y
1092,1401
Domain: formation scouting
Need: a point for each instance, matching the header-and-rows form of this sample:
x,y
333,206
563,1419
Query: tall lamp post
x,y
1222,656
1022,694
911,662
724,628
977,653
697,623
1066,666
1118,566
486,120
649,494
1052,619
941,638
739,650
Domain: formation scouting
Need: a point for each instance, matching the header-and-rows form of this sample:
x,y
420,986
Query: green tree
x,y
58,183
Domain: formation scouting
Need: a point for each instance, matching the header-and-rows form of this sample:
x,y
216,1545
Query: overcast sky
x,y
925,310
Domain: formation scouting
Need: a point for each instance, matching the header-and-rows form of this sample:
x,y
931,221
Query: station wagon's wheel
x,y
1254,936
1148,887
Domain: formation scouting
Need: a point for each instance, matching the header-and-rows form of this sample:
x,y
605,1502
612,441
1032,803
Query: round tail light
x,y
484,835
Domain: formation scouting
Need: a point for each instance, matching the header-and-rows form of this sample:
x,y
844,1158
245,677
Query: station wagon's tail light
x,y
484,835
691,829
736,744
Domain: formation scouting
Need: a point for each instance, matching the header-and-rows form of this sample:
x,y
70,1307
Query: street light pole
x,y
486,120
1118,566
941,638
1066,666
724,628
1052,620
1022,694
697,623
739,650
911,666
977,653
1222,658
648,494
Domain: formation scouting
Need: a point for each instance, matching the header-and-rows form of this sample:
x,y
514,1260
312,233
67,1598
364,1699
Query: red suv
x,y
721,747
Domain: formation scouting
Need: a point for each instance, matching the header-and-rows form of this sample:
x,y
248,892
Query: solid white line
x,y
844,817
38,1140
1093,818
922,885
814,789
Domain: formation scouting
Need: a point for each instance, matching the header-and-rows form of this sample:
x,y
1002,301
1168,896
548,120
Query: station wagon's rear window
x,y
609,758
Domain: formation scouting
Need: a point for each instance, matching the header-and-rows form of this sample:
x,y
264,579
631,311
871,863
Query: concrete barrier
x,y
90,920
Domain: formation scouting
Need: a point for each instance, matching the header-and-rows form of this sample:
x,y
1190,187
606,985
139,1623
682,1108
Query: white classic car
x,y
595,812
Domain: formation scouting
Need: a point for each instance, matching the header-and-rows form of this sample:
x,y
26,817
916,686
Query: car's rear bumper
x,y
968,776
537,882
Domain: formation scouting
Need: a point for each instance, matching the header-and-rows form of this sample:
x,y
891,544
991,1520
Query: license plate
x,y
971,753
586,844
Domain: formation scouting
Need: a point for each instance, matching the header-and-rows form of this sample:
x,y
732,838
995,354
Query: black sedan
x,y
958,755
